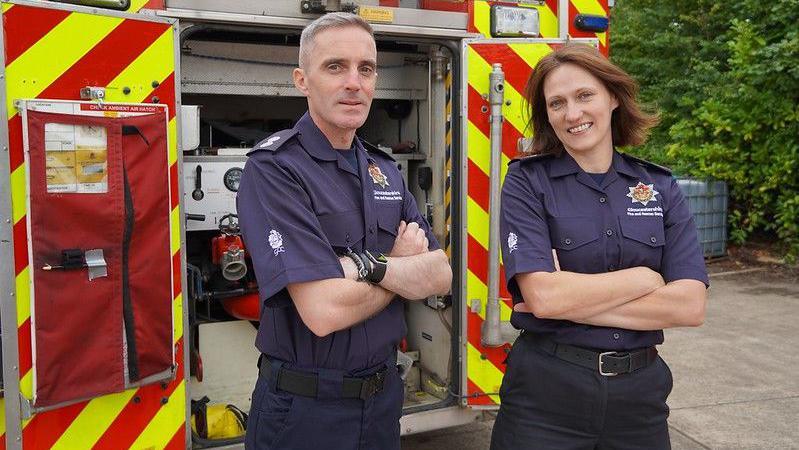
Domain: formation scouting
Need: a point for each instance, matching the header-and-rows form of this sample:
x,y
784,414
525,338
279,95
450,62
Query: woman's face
x,y
579,109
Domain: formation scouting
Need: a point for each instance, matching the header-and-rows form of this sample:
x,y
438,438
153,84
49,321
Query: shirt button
x,y
347,238
653,239
615,335
609,232
567,241
372,229
602,199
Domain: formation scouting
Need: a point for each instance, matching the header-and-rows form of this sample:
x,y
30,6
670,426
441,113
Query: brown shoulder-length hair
x,y
629,124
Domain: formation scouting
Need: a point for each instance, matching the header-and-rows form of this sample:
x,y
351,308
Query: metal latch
x,y
92,93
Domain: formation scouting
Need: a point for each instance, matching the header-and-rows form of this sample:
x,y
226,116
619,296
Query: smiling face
x,y
579,109
339,81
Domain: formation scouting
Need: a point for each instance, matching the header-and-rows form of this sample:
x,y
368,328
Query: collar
x,y
566,165
314,141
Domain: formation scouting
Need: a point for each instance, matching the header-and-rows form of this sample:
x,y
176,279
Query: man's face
x,y
339,78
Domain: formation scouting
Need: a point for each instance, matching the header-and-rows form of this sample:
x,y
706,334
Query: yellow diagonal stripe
x,y
136,5
93,421
174,222
479,70
155,63
483,372
475,288
23,283
172,141
531,53
591,7
165,423
482,17
6,7
26,385
477,222
547,22
40,65
177,316
18,193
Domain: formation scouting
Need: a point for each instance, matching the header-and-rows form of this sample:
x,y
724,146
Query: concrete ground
x,y
736,379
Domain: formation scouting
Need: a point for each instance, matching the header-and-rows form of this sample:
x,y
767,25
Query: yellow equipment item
x,y
217,421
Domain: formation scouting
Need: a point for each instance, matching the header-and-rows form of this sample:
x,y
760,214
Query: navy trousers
x,y
548,403
285,421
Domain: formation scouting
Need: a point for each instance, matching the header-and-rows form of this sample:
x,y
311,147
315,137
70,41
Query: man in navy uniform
x,y
335,238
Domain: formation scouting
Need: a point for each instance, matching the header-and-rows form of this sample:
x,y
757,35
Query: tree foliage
x,y
725,79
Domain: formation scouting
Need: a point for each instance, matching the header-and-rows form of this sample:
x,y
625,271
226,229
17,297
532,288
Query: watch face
x,y
232,179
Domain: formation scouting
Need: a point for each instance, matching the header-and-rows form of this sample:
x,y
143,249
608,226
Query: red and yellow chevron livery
x,y
51,52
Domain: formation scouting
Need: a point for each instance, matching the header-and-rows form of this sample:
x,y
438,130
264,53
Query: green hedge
x,y
725,78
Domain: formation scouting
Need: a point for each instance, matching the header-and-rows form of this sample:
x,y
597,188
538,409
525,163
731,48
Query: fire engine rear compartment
x,y
241,80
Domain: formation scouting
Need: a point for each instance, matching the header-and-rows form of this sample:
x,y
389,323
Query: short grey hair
x,y
330,20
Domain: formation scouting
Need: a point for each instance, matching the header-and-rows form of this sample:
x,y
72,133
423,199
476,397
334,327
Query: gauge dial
x,y
232,179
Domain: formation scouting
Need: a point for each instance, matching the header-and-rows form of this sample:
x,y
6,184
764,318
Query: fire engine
x,y
127,294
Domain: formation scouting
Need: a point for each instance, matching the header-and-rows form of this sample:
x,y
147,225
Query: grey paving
x,y
736,378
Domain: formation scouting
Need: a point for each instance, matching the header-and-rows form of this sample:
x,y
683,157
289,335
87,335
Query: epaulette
x,y
529,158
646,163
371,148
274,141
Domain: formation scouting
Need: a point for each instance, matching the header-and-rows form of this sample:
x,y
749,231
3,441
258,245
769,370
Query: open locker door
x,y
128,389
487,347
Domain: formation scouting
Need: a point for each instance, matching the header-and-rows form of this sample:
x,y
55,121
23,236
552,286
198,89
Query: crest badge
x,y
643,193
377,175
276,242
513,242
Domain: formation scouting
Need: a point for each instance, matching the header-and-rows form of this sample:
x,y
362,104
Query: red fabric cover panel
x,y
77,322
150,260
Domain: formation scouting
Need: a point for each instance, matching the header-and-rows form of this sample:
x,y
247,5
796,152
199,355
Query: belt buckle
x,y
601,371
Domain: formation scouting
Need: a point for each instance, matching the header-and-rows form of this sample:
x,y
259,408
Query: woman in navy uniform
x,y
601,254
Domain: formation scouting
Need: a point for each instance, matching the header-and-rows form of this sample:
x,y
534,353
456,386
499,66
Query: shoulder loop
x,y
274,141
530,158
646,163
371,148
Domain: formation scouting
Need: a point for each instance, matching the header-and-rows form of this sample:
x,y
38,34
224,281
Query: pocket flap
x,y
567,233
646,230
342,229
388,218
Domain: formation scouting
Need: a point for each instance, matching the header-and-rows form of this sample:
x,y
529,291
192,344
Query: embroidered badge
x,y
643,193
513,242
276,242
377,175
270,141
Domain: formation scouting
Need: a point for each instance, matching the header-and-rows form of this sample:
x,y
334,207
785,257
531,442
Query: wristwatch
x,y
378,264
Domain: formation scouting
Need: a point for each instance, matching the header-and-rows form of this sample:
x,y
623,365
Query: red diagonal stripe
x,y
107,59
140,410
47,427
26,25
477,117
176,275
174,195
178,441
478,259
16,153
553,5
478,185
472,388
24,347
20,246
494,354
515,68
165,93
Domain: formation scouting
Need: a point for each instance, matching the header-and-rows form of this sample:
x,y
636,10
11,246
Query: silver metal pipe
x,y
491,333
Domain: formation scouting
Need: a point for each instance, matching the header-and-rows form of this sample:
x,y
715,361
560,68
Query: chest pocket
x,y
643,242
343,229
388,219
576,240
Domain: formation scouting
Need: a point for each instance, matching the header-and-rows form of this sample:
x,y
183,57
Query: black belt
x,y
606,363
306,384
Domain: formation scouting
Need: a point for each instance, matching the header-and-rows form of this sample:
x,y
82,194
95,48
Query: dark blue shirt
x,y
300,205
637,216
